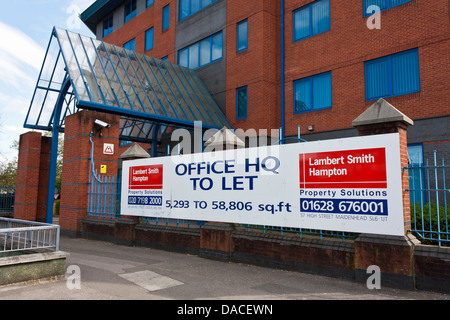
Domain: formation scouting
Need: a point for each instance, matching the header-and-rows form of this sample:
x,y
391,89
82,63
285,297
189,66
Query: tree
x,y
8,170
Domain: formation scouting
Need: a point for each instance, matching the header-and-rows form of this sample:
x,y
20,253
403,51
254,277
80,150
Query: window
x,y
150,3
149,39
130,10
241,103
311,20
166,58
189,7
107,26
382,4
312,93
242,36
166,17
123,143
393,75
130,45
202,53
417,174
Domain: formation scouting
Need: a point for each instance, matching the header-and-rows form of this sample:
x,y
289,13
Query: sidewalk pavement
x,y
103,271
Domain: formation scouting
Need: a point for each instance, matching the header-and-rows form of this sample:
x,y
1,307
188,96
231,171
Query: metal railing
x,y
7,195
104,197
429,189
20,236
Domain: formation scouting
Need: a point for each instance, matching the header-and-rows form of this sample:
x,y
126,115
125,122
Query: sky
x,y
25,30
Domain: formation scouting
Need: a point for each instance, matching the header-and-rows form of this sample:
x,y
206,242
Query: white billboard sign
x,y
350,185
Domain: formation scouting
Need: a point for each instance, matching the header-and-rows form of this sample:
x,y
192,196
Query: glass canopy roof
x,y
147,93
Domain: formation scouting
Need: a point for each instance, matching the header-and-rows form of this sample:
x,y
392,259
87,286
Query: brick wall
x,y
342,50
432,268
163,41
349,43
258,67
77,161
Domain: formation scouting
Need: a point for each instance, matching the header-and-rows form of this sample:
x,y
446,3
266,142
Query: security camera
x,y
102,124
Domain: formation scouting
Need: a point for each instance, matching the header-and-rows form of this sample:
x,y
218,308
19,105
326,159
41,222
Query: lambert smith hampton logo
x,y
146,177
364,168
145,186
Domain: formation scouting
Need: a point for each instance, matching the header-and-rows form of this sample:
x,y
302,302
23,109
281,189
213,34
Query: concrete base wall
x,y
30,267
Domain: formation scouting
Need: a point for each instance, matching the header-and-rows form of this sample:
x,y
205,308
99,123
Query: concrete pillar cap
x,y
224,137
381,112
135,152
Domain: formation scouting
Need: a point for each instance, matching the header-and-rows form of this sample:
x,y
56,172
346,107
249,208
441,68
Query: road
x,y
103,271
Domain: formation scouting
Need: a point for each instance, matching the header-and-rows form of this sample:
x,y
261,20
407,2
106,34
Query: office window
x,y
393,75
150,3
312,93
107,26
242,36
202,53
189,7
241,103
130,45
311,20
382,4
130,10
166,17
149,39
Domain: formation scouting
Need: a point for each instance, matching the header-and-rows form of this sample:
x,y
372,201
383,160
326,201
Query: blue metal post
x,y
54,151
282,72
155,141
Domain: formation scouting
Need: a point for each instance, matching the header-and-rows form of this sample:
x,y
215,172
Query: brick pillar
x,y
125,227
215,241
44,173
32,177
77,161
392,254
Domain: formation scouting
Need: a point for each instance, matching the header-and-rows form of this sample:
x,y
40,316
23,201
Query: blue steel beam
x,y
140,115
54,150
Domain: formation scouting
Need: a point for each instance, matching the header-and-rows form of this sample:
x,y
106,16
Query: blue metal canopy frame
x,y
111,79
148,94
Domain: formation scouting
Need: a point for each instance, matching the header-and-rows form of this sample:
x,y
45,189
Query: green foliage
x,y
425,220
56,207
8,173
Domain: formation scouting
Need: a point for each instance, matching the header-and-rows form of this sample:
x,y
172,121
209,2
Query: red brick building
x,y
338,59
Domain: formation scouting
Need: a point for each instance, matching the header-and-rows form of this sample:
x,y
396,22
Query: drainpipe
x,y
282,133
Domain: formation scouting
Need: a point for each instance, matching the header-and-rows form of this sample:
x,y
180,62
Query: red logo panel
x,y
146,177
364,168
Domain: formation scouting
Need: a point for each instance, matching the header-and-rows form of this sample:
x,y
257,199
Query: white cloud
x,y
20,46
20,62
73,10
14,130
20,57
